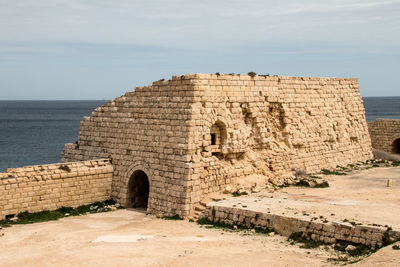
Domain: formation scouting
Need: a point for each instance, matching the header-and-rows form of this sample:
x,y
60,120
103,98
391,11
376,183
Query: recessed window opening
x,y
217,137
213,139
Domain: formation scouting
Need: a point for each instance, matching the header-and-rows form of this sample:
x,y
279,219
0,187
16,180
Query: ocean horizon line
x,y
4,100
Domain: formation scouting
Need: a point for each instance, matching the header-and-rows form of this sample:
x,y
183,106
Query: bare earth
x,y
131,238
361,197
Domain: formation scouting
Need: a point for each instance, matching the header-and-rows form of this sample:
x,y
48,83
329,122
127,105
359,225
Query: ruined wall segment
x,y
143,130
273,125
49,187
385,135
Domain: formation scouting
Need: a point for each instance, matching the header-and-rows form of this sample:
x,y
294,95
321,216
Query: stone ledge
x,y
286,225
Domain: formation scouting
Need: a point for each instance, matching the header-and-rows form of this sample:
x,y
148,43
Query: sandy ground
x,y
361,197
131,238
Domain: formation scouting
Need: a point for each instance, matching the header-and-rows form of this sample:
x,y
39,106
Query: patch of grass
x,y
46,215
304,183
305,239
396,247
176,217
328,172
360,250
203,221
236,194
386,238
224,226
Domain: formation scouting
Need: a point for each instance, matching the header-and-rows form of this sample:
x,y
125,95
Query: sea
x,y
34,132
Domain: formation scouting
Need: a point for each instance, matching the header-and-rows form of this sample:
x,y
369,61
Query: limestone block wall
x,y
271,125
384,133
330,232
48,187
196,133
145,130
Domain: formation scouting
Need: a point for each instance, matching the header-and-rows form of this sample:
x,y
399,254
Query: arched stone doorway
x,y
138,190
396,146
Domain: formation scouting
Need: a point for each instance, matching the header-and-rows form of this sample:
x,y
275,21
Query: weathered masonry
x,y
52,186
178,140
385,135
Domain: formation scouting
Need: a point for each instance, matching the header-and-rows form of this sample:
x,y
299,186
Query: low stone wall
x,y
48,187
384,133
284,225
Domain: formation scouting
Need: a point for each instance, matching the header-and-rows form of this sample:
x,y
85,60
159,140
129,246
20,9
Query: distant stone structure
x,y
385,135
176,141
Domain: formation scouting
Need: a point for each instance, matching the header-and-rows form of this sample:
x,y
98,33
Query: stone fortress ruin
x,y
176,141
167,146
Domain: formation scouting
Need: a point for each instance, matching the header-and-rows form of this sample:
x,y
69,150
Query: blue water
x,y
34,132
382,107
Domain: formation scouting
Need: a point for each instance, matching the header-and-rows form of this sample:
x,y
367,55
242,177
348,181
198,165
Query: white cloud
x,y
200,24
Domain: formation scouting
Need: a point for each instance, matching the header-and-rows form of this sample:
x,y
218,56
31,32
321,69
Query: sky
x,y
100,49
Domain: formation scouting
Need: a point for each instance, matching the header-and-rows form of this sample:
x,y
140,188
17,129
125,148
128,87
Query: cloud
x,y
82,48
198,24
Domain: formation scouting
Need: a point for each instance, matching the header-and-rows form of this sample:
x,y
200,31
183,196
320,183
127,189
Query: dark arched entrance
x,y
138,194
396,146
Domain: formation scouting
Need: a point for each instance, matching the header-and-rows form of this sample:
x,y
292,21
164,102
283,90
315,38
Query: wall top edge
x,y
70,165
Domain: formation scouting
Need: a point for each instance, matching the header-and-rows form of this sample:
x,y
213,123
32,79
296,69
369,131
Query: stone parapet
x,y
48,187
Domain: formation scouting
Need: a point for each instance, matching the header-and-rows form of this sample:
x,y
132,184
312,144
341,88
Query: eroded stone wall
x,y
197,133
48,187
385,135
273,125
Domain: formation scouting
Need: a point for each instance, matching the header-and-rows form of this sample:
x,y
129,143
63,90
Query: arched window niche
x,y
217,137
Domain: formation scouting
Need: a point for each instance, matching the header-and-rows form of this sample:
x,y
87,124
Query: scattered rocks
x,y
228,190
